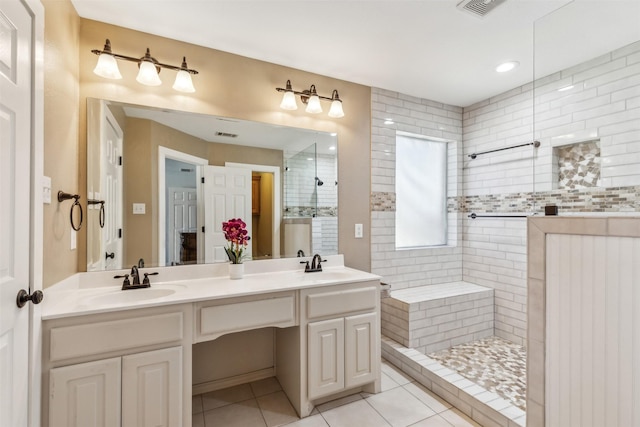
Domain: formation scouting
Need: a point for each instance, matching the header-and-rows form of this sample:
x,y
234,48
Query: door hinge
x,y
119,233
202,180
119,160
203,229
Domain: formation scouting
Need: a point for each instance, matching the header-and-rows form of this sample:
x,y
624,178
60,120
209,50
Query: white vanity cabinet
x,y
118,369
146,386
86,394
120,364
343,338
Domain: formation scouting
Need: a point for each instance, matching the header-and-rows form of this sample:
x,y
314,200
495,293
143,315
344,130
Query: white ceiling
x,y
425,48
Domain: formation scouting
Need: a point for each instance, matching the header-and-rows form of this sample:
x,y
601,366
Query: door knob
x,y
23,297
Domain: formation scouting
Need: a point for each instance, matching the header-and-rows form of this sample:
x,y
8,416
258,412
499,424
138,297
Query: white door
x,y
152,389
111,137
85,395
16,137
183,216
227,195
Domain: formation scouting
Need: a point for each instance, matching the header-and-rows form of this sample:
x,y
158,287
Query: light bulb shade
x,y
107,67
183,82
289,101
314,106
148,74
336,109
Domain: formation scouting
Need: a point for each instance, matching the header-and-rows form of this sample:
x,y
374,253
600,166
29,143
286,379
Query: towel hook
x,y
62,196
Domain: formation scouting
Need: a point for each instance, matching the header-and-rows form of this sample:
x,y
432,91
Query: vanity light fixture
x,y
148,74
311,98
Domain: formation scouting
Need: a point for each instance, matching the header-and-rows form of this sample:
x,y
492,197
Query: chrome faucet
x,y
300,253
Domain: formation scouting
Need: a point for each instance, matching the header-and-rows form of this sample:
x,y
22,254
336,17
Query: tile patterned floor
x,y
402,403
493,363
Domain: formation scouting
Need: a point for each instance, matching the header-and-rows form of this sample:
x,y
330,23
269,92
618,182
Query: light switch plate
x,y
359,231
46,190
139,208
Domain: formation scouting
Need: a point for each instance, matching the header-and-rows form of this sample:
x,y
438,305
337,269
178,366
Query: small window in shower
x,y
421,191
578,165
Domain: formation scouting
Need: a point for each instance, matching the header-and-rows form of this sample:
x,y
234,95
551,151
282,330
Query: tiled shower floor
x,y
493,363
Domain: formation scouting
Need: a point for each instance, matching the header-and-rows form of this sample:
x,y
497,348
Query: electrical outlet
x,y
139,208
359,231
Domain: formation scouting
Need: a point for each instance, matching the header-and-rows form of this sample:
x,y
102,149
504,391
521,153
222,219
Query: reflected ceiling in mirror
x,y
148,204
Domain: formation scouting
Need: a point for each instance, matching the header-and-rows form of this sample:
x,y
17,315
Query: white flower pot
x,y
236,271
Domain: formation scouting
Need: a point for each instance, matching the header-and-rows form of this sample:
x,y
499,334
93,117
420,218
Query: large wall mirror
x,y
160,182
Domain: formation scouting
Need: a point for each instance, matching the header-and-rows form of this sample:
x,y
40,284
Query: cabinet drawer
x,y
96,338
216,320
341,301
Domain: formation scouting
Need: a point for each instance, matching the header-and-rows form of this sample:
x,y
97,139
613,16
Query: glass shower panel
x,y
301,179
587,105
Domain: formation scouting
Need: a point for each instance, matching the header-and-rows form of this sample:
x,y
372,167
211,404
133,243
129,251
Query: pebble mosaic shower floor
x,y
493,363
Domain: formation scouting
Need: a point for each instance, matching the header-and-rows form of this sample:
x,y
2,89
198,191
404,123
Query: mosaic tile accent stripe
x,y
382,201
310,211
614,199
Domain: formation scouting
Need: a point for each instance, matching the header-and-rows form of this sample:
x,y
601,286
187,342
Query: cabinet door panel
x,y
326,357
152,388
85,395
360,339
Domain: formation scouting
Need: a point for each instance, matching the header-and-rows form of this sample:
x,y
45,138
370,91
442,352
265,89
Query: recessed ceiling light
x,y
334,133
562,89
388,121
333,147
507,66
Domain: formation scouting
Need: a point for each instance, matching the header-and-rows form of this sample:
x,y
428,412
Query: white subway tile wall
x,y
412,267
436,317
603,105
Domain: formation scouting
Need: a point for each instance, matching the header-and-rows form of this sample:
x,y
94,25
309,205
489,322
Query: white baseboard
x,y
233,381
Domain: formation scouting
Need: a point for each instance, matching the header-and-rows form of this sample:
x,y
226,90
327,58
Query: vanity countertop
x,y
90,293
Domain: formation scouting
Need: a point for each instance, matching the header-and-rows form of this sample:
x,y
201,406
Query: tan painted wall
x,y
228,85
61,149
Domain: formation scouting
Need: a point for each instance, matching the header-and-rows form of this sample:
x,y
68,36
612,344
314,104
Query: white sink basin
x,y
130,296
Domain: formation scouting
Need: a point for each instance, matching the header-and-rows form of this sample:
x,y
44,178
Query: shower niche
x,y
576,166
310,220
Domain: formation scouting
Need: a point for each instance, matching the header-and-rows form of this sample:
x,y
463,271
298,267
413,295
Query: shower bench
x,y
434,317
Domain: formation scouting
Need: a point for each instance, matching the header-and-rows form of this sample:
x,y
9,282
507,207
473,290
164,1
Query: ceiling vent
x,y
479,8
227,135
